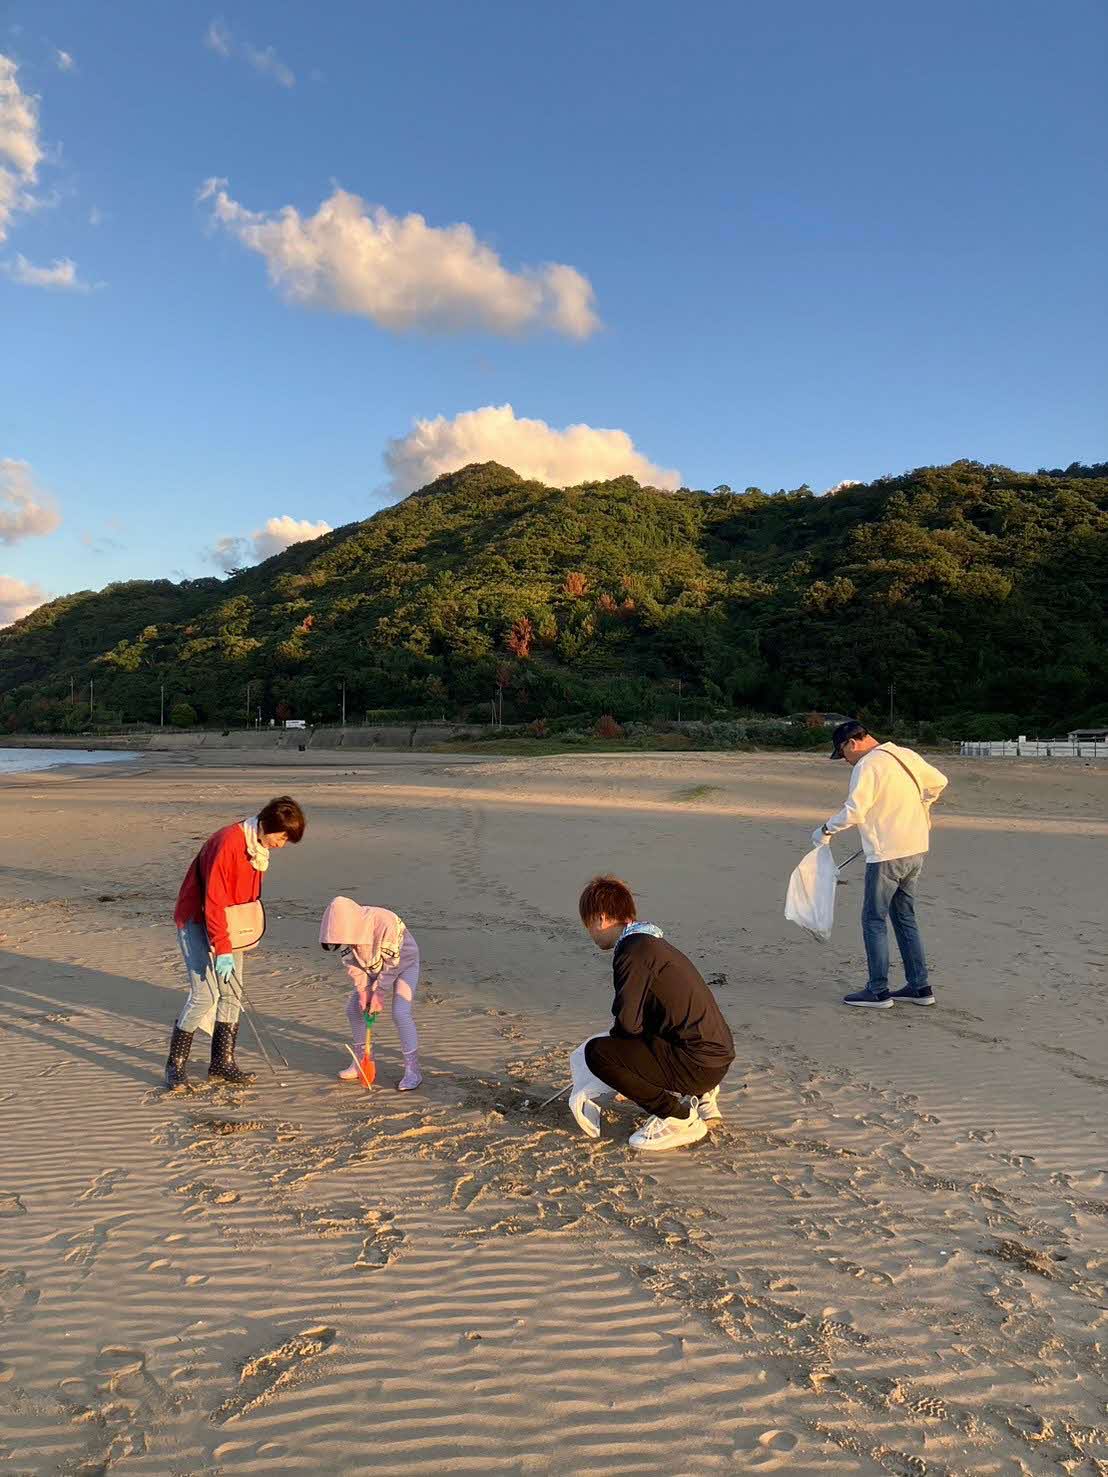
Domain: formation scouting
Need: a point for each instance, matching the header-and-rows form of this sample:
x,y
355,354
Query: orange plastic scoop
x,y
367,1067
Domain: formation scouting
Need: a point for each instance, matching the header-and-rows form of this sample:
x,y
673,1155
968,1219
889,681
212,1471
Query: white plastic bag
x,y
810,900
585,1092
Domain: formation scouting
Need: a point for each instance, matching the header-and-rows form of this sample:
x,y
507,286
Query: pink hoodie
x,y
375,934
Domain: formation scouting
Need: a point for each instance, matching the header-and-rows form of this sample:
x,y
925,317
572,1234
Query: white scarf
x,y
256,850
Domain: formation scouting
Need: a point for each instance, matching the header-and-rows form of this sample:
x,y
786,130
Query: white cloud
x,y
530,447
275,535
96,216
60,275
269,64
20,147
25,510
351,257
840,486
18,599
280,533
64,61
218,38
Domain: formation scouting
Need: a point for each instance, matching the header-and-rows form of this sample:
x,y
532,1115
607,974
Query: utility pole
x,y
344,702
161,720
90,708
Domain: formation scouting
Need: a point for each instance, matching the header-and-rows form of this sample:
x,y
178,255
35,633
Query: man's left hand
x,y
820,837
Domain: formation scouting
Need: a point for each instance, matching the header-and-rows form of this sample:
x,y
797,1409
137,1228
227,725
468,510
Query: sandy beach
x,y
891,1259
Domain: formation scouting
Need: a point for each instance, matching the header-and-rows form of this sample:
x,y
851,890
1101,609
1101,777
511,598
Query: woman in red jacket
x,y
225,874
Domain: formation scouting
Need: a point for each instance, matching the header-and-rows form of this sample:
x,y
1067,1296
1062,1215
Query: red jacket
x,y
220,876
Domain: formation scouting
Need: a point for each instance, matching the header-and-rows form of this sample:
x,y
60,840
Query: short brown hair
x,y
607,897
282,814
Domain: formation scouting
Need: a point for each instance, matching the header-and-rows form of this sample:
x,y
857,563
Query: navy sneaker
x,y
926,996
868,997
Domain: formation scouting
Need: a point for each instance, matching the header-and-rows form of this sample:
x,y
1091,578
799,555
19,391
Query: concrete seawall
x,y
393,736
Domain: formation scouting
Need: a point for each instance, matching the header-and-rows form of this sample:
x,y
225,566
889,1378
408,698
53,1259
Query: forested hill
x,y
979,590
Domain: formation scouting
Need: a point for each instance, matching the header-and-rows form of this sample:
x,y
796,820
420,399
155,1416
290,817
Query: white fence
x,y
1036,749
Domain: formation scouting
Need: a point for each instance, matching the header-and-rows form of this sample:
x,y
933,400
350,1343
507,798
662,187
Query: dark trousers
x,y
652,1073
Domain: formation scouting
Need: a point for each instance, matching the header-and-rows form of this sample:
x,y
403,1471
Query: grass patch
x,y
696,792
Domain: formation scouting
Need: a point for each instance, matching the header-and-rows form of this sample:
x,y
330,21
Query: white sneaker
x,y
668,1133
351,1074
709,1108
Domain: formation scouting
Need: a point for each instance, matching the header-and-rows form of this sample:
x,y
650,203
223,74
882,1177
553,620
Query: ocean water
x,y
19,761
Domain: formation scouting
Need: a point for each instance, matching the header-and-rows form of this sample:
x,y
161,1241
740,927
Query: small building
x,y
1088,736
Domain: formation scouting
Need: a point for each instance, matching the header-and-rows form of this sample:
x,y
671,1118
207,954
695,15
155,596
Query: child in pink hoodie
x,y
379,955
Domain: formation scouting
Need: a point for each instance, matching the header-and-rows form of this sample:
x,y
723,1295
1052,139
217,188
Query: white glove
x,y
820,837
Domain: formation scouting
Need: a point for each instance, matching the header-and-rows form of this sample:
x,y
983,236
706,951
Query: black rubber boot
x,y
176,1068
223,1067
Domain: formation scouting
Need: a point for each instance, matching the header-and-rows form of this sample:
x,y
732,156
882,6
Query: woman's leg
x,y
230,993
203,986
199,1003
223,1065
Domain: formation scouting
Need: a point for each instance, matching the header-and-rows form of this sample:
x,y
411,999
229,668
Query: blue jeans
x,y
891,893
206,989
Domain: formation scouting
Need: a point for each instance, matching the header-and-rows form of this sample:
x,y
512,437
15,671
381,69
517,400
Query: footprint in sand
x,y
117,1400
17,1300
383,1243
202,1195
11,1204
271,1371
86,1244
102,1184
765,1449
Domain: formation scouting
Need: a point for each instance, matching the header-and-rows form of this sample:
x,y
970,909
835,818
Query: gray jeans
x,y
207,992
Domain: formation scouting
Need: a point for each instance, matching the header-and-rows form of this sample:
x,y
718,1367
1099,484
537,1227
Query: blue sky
x,y
821,243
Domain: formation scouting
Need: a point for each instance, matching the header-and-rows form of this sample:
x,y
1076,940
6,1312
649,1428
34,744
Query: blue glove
x,y
225,966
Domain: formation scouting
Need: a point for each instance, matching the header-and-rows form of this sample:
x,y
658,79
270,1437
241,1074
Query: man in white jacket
x,y
889,799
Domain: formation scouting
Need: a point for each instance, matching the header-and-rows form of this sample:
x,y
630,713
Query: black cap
x,y
851,729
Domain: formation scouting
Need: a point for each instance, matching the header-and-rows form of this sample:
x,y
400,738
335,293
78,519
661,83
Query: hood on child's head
x,y
375,933
342,922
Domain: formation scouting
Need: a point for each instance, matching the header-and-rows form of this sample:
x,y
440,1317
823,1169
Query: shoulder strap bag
x,y
245,921
912,777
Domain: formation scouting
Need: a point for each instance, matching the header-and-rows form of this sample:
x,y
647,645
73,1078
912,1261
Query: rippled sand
x,y
891,1258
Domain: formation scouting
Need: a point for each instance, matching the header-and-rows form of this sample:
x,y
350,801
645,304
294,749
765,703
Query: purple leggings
x,y
402,981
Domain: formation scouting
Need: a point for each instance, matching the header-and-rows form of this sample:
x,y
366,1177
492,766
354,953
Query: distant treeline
x,y
978,594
